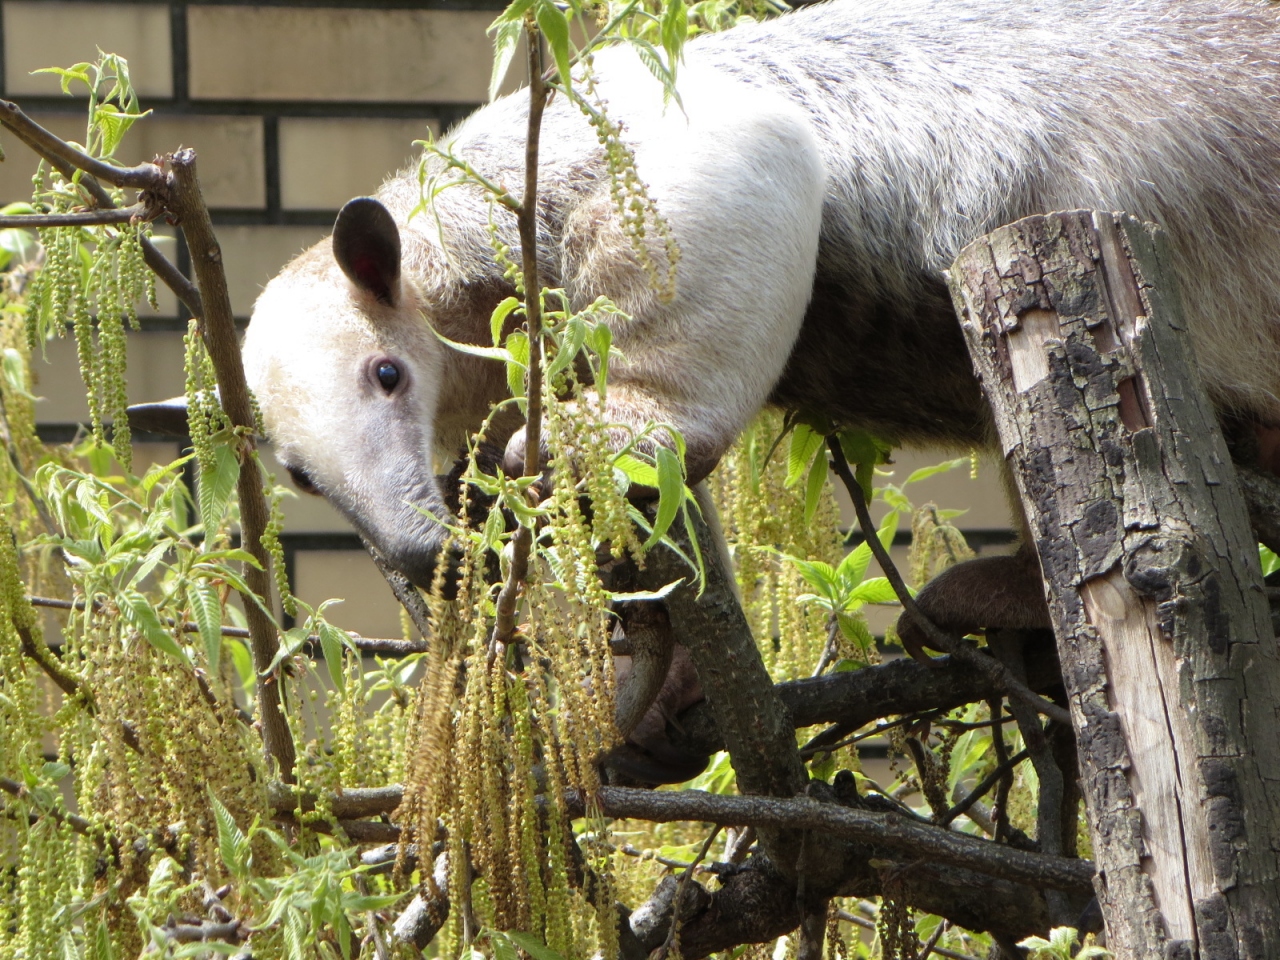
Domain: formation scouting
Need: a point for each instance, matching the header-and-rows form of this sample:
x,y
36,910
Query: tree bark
x,y
1168,656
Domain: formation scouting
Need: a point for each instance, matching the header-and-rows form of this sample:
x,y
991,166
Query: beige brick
x,y
253,255
228,154
155,372
38,35
368,606
296,53
324,163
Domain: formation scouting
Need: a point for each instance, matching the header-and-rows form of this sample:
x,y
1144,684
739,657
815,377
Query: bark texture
x,y
1163,631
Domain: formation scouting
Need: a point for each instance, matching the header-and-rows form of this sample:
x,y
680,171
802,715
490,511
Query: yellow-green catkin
x,y
762,520
638,215
204,413
274,494
936,544
92,280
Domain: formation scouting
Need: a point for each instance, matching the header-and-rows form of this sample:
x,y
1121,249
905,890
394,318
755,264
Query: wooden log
x,y
1152,574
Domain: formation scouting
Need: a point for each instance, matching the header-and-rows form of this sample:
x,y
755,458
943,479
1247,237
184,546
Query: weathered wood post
x,y
1077,335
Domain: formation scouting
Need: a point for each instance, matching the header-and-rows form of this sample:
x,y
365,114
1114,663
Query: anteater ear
x,y
366,244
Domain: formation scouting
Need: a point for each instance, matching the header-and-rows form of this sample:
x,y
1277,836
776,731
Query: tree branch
x,y
219,332
890,831
82,218
527,217
57,152
995,670
145,176
852,700
405,592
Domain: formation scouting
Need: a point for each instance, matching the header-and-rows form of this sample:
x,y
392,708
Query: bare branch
x,y
673,931
39,651
405,592
527,218
78,824
995,670
82,218
889,830
866,924
978,792
145,176
206,931
219,331
57,152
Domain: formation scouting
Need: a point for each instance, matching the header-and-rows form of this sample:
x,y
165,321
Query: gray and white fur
x,y
825,168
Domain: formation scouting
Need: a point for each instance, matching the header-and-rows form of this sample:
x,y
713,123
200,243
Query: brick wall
x,y
293,109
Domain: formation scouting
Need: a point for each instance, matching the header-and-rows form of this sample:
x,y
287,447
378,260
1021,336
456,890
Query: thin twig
x,y
997,672
82,218
978,792
815,745
144,176
222,342
527,218
55,152
405,592
78,824
932,944
866,924
996,706
673,932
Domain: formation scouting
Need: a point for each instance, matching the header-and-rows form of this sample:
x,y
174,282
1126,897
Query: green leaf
x,y
924,473
533,946
821,576
555,27
242,660
215,488
138,610
805,445
498,319
658,594
637,471
206,611
233,846
854,628
503,948
332,640
859,446
471,349
517,362
675,28
506,38
670,492
514,13
876,590
854,565
813,487
575,335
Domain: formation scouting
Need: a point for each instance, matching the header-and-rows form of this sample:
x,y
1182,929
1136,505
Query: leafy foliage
x,y
154,813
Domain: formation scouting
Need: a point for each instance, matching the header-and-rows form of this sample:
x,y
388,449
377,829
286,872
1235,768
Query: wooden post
x,y
1167,652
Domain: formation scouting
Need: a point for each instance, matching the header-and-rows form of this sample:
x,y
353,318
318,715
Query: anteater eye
x,y
388,375
302,481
